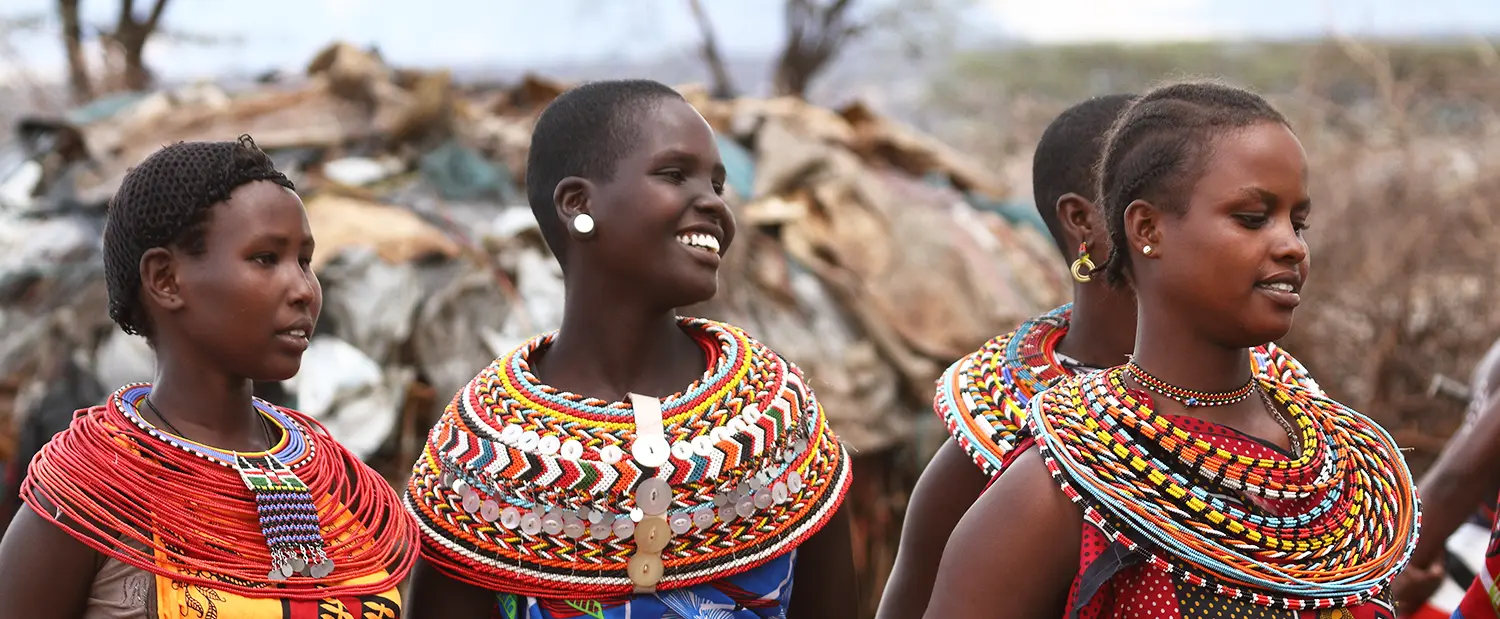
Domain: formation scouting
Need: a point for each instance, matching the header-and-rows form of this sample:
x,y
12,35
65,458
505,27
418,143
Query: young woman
x,y
188,496
982,397
1181,484
634,463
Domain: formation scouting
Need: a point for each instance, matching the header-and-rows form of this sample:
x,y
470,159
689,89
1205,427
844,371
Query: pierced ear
x,y
572,198
1143,228
1078,218
159,280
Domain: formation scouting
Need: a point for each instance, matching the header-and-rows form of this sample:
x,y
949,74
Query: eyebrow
x,y
675,154
1269,198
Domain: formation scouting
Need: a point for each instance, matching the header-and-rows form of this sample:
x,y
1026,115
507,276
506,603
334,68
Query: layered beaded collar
x,y
554,494
1346,517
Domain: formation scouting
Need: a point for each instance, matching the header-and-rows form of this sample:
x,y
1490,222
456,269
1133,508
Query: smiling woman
x,y
1182,484
188,495
634,463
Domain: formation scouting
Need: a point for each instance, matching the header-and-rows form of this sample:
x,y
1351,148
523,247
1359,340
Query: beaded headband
x,y
525,489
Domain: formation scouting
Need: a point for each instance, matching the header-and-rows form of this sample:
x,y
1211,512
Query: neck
x,y
607,354
1101,330
206,406
1167,349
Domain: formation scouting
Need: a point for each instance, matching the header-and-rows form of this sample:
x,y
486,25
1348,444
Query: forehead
x,y
256,209
673,125
1264,156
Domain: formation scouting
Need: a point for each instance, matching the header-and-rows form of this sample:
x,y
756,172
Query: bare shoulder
x,y
1022,526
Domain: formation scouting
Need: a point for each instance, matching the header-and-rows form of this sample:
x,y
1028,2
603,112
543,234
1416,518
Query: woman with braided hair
x,y
188,496
634,463
1182,484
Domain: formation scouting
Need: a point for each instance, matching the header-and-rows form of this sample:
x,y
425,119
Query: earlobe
x,y
1142,228
572,199
159,282
1076,215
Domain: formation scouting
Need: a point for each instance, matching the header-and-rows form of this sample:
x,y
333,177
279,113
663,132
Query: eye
x,y
675,175
264,259
1251,220
719,188
1300,226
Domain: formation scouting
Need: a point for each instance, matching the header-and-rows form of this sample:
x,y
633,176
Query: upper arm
x,y
435,594
45,573
1023,527
947,488
825,585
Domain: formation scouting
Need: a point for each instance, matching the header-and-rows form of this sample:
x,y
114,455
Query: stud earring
x,y
1083,266
1146,250
583,224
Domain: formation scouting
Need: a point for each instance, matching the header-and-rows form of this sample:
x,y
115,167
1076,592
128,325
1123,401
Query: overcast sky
x,y
512,33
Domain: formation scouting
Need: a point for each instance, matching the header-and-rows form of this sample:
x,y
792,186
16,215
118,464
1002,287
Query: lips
x,y
700,240
296,336
1284,289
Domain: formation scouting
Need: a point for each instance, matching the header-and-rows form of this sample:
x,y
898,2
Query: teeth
x,y
702,241
297,333
1281,286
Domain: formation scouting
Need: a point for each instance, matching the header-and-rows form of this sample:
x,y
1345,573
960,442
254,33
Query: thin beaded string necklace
x,y
1196,398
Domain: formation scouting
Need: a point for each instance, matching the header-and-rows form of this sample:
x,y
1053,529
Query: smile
x,y
700,241
1281,293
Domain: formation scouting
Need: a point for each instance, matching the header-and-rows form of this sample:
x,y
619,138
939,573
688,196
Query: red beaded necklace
x,y
161,504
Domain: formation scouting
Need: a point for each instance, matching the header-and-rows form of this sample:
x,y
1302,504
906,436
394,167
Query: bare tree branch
x,y
723,88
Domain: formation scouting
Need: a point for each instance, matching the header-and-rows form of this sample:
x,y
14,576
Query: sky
x,y
284,34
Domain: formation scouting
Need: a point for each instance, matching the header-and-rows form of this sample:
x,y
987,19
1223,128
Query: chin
x,y
692,293
276,372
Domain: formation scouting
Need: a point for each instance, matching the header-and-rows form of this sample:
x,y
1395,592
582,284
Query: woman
x,y
982,397
188,496
1181,484
634,463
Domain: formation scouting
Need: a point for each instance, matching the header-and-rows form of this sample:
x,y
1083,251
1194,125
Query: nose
x,y
303,288
1290,248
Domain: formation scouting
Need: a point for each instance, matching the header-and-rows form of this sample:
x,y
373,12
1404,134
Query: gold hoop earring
x,y
1083,267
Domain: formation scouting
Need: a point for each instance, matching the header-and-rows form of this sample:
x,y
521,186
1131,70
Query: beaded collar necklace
x,y
288,516
541,492
1348,526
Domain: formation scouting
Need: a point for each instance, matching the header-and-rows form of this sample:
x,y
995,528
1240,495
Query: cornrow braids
x,y
1159,148
166,201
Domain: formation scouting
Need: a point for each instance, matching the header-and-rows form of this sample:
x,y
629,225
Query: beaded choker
x,y
1189,397
219,518
983,397
1346,514
526,489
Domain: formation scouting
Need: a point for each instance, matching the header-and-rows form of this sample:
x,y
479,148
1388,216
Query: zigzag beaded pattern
x,y
1354,514
750,424
983,397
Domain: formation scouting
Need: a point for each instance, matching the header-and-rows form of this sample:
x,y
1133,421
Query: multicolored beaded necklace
x,y
984,396
526,489
1348,524
220,518
1189,397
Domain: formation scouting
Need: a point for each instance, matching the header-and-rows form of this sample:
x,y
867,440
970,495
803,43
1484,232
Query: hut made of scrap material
x,y
863,255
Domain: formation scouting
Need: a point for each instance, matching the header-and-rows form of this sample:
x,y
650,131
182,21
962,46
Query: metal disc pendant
x,y
298,564
323,568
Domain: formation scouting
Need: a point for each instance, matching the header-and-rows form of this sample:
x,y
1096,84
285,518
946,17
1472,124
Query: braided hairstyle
x,y
1068,155
585,132
166,201
1159,148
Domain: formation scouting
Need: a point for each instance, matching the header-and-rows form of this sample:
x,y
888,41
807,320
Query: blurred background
x,y
879,155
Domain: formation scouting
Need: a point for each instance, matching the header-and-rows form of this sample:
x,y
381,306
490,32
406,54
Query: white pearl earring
x,y
584,223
